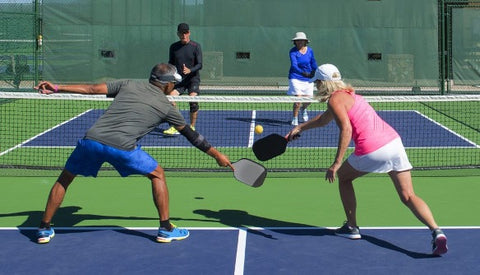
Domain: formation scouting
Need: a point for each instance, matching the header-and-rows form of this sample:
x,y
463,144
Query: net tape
x,y
246,99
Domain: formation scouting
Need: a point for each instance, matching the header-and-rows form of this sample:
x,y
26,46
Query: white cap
x,y
300,36
171,76
326,72
178,78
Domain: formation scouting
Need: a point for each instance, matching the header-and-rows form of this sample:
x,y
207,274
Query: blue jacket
x,y
301,63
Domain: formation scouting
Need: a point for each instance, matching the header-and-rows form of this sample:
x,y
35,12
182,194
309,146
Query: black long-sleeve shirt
x,y
189,54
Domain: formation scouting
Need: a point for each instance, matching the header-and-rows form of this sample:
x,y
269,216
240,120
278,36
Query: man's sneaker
x,y
171,131
44,235
349,232
439,242
295,121
165,236
305,115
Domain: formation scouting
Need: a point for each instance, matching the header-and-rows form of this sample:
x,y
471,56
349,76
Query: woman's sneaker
x,y
305,115
165,236
44,235
439,242
295,121
349,232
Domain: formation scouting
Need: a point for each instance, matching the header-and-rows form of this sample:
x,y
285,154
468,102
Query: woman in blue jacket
x,y
302,67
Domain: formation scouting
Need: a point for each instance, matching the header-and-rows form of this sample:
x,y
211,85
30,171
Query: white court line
x,y
448,130
244,229
241,245
44,132
99,228
252,129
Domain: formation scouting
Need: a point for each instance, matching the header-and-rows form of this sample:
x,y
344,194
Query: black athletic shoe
x,y
349,232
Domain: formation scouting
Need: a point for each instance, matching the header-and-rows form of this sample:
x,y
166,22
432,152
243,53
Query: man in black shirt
x,y
186,55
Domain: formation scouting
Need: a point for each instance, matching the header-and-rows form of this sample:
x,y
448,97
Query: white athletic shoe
x,y
305,115
295,121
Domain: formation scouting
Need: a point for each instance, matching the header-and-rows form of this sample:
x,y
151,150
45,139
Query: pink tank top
x,y
369,131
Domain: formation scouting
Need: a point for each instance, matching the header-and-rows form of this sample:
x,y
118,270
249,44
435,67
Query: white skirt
x,y
390,157
300,88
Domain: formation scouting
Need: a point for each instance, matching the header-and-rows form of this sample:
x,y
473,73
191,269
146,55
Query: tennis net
x,y
38,132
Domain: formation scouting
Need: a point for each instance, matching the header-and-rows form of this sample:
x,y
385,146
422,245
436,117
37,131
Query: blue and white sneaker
x,y
44,235
177,234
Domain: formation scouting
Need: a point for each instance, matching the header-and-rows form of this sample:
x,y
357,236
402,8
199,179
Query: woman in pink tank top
x,y
378,148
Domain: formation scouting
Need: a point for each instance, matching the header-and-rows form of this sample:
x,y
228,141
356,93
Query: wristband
x,y
55,89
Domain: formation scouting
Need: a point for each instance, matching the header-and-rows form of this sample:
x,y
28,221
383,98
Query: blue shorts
x,y
89,156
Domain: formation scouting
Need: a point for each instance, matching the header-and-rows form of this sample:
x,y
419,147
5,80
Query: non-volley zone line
x,y
249,250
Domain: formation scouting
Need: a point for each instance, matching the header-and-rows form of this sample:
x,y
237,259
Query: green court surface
x,y
218,200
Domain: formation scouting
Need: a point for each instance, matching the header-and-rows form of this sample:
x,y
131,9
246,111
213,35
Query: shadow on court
x,y
240,219
68,217
387,245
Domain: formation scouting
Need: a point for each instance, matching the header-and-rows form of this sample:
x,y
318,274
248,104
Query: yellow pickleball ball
x,y
258,129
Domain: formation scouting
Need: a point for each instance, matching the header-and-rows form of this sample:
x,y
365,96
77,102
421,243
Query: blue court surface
x,y
312,250
235,129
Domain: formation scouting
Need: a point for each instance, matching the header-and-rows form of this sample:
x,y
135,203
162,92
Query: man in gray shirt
x,y
138,107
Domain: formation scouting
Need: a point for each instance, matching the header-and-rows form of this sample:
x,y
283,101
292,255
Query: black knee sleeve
x,y
194,107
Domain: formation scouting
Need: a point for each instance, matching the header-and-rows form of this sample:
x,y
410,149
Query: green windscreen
x,y
382,46
374,43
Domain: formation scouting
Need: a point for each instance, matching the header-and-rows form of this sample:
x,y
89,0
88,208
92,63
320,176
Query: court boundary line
x,y
99,228
448,129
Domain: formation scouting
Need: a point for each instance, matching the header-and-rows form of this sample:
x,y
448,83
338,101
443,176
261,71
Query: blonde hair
x,y
326,88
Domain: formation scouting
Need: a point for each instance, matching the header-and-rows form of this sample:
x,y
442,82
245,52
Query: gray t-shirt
x,y
137,109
